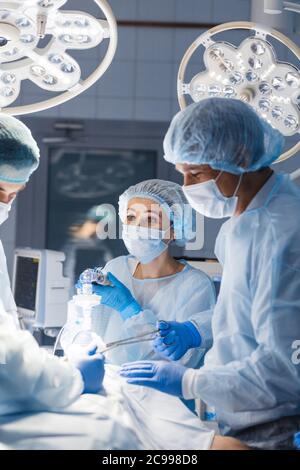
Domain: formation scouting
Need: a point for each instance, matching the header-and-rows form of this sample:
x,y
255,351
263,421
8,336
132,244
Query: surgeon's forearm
x,y
31,378
191,384
239,385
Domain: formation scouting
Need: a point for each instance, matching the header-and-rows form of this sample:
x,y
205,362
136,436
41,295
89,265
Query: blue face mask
x,y
144,243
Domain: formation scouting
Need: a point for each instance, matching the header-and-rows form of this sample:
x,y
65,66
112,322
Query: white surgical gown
x,y
6,295
186,296
249,376
31,379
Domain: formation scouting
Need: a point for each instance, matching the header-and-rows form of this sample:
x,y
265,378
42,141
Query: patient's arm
x,y
227,443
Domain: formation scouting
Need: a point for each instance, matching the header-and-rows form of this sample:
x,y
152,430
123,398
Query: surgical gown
x,y
249,376
31,379
186,296
6,295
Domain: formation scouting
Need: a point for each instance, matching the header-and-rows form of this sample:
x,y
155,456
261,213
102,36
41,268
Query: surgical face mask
x,y
4,211
144,243
207,199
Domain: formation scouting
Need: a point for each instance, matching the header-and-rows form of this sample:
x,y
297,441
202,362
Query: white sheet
x,y
122,417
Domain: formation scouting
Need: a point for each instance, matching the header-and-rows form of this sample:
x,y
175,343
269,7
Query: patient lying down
x,y
50,403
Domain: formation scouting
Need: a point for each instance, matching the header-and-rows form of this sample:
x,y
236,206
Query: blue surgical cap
x,y
171,199
225,134
19,153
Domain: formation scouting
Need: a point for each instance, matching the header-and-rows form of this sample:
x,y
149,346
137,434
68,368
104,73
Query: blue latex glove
x,y
161,375
175,339
117,297
297,440
91,366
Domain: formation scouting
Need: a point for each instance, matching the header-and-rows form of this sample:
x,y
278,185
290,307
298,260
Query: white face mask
x,y
207,199
144,243
4,211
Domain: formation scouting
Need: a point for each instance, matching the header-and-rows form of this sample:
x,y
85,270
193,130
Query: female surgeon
x,y
149,285
224,151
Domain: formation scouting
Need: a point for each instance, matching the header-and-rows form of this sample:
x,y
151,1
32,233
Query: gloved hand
x,y
297,440
161,375
175,339
117,297
91,366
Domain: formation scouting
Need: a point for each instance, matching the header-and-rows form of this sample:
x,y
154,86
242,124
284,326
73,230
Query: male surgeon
x,y
224,151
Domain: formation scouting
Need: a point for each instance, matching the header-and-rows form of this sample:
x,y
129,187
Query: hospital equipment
x,y
148,336
96,275
40,290
249,72
86,300
78,329
118,297
24,25
211,267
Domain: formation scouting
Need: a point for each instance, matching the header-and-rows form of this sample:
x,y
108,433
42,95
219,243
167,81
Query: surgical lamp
x,y
249,72
24,24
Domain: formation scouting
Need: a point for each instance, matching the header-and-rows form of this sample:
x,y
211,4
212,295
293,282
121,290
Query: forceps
x,y
149,336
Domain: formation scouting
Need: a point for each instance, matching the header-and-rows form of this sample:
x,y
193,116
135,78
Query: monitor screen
x,y
26,279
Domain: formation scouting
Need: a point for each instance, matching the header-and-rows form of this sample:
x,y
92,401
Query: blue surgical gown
x,y
249,375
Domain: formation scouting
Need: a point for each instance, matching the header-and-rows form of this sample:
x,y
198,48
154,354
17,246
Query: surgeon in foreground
x,y
224,151
31,379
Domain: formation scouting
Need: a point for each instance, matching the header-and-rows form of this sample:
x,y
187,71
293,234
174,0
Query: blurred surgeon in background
x,y
84,242
224,151
149,286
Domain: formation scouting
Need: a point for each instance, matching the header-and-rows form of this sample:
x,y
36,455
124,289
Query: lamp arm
x,y
292,6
